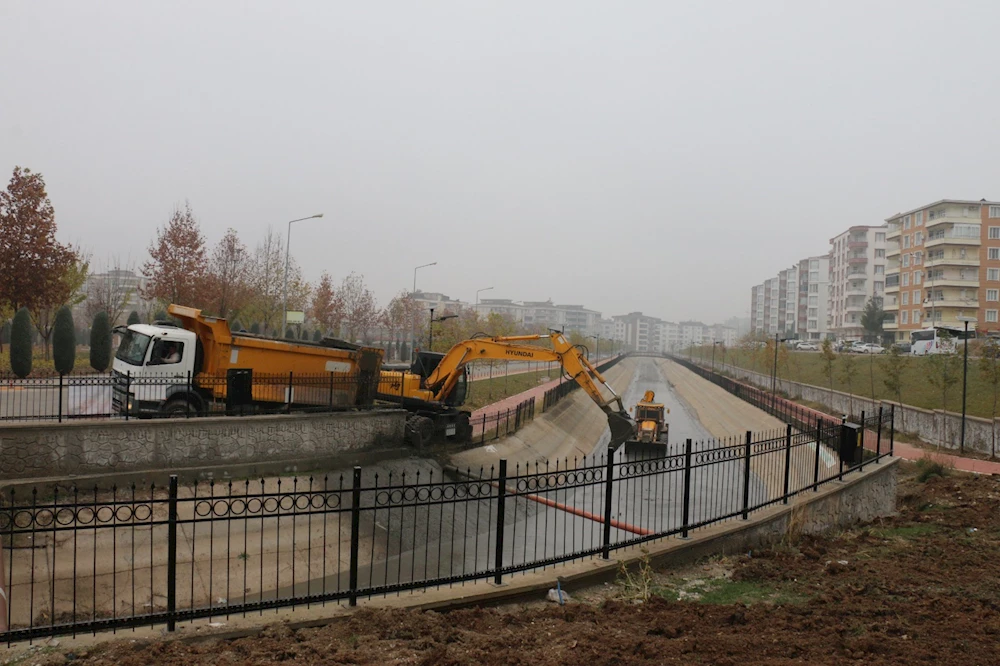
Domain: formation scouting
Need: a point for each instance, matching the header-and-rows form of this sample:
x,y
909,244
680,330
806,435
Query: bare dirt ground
x,y
921,587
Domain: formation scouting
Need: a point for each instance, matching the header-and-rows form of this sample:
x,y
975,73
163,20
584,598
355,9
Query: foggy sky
x,y
654,156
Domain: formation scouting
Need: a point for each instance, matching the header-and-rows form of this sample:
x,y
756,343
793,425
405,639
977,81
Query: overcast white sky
x,y
655,156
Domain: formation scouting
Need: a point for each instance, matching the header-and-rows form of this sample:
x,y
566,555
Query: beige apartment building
x,y
944,264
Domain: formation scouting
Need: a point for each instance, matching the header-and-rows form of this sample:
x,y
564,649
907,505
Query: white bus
x,y
937,340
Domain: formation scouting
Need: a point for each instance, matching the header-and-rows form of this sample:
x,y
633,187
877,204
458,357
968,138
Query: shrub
x,y
133,318
20,344
317,336
927,468
64,341
255,328
100,341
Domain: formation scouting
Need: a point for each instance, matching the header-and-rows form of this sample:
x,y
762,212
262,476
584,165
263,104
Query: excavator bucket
x,y
622,428
637,447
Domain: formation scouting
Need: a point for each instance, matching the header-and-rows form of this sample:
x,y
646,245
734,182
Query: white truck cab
x,y
148,358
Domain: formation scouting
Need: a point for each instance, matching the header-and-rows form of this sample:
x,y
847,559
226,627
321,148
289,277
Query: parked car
x,y
903,347
869,348
807,346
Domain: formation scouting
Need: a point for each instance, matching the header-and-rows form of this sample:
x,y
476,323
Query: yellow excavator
x,y
434,386
651,427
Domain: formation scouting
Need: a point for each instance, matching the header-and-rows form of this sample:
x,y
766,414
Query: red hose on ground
x,y
617,524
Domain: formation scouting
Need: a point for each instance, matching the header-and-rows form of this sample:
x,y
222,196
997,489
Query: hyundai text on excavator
x,y
434,387
651,427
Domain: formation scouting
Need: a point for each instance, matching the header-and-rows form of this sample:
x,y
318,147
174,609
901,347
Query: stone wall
x,y
934,426
75,448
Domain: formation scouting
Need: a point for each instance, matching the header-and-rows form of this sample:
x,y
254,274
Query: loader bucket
x,y
654,449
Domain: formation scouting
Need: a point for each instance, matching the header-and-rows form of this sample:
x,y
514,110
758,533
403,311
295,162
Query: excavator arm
x,y
447,373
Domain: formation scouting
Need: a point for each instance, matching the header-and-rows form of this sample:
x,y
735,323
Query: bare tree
x,y
111,289
359,307
229,276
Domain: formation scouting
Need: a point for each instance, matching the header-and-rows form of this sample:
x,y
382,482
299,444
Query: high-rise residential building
x,y
857,273
944,265
774,305
813,297
545,314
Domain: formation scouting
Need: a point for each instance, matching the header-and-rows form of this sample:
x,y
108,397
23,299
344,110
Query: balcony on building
x,y
892,250
950,256
893,231
857,243
963,279
857,259
957,234
856,287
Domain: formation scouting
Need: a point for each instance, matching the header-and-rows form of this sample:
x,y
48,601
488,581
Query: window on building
x,y
994,211
991,316
906,222
993,274
879,286
906,242
906,260
993,294
918,238
880,254
879,270
916,316
994,233
880,238
905,298
918,257
916,296
904,316
918,218
905,279
917,276
814,289
994,253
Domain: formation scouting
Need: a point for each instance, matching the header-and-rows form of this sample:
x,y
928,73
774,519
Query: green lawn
x,y
868,381
488,391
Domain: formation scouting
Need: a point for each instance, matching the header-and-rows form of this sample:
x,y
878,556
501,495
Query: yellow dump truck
x,y
201,367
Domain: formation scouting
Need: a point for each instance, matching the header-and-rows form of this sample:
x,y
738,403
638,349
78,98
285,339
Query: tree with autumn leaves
x,y
39,273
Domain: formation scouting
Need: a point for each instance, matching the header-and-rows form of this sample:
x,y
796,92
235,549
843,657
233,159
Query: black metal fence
x,y
121,396
89,559
494,425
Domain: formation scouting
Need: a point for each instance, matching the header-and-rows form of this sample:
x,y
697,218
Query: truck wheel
x,y
463,429
178,408
419,431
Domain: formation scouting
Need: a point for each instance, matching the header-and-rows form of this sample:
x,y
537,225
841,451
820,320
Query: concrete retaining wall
x,y
934,426
77,448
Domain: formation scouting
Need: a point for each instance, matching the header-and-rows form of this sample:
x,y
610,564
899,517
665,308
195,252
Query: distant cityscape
x,y
938,264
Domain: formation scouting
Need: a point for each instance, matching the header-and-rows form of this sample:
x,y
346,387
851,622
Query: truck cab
x,y
148,357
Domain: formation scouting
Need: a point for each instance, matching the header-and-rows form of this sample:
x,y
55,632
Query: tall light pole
x,y
597,351
413,323
477,296
965,376
714,343
284,306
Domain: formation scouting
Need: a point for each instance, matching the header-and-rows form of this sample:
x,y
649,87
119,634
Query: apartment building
x,y
943,265
545,314
813,298
641,332
440,303
775,304
764,310
856,274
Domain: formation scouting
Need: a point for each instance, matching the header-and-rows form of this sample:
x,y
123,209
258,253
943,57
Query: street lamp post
x,y
413,323
288,242
597,351
714,343
965,377
430,328
478,291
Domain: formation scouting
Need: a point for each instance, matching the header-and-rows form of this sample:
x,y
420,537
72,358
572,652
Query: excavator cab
x,y
426,363
651,427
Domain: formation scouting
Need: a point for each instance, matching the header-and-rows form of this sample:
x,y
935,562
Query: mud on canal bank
x,y
921,587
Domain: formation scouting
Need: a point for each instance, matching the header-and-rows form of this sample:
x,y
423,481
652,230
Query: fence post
x,y
686,520
355,533
746,478
819,443
892,428
172,554
608,488
60,396
501,511
128,390
331,391
288,406
788,458
878,437
187,402
861,465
